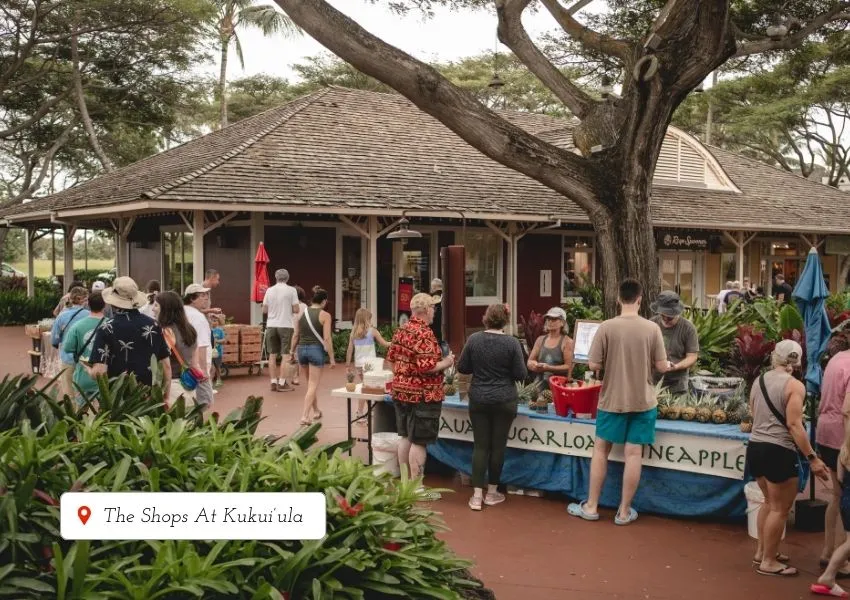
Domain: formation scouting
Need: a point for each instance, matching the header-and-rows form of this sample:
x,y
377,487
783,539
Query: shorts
x,y
204,393
829,456
627,428
419,422
311,354
176,390
279,339
775,463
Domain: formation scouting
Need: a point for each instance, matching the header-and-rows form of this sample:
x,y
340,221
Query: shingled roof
x,y
349,151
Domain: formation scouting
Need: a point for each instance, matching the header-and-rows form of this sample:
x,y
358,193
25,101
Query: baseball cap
x,y
195,288
789,352
98,286
421,301
556,312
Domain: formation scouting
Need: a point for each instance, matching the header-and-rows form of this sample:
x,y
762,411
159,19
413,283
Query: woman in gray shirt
x,y
776,401
495,362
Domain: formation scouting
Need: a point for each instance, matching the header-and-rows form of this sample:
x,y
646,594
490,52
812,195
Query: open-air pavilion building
x,y
323,179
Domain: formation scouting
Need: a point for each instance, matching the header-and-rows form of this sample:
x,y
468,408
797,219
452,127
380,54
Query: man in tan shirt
x,y
626,348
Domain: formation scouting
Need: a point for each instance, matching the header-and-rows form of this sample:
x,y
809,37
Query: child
x,y
217,322
826,585
362,344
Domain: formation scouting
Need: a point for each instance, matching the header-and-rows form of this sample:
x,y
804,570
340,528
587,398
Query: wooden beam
x,y
354,226
222,221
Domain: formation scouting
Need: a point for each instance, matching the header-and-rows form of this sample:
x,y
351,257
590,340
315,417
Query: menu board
x,y
583,338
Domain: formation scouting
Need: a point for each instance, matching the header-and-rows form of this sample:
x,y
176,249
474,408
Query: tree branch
x,y
558,169
514,36
91,134
37,116
789,42
48,158
586,36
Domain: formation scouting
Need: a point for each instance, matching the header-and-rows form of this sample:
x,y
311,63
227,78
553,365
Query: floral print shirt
x,y
126,342
414,352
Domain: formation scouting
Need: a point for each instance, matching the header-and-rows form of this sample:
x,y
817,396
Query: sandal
x,y
475,502
306,422
576,509
633,515
784,571
835,591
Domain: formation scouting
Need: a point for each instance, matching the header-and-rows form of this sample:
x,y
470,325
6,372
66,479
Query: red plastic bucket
x,y
582,400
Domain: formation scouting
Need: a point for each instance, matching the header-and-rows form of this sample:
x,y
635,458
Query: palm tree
x,y
233,14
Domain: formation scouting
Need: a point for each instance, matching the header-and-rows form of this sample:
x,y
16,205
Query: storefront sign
x,y
677,451
675,239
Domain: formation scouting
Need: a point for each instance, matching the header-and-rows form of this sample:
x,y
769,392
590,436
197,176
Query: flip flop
x,y
633,515
783,572
824,590
576,509
783,558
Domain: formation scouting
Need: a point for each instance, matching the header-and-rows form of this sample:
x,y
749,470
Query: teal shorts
x,y
627,428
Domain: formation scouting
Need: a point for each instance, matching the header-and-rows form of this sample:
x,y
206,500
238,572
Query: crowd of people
x,y
120,329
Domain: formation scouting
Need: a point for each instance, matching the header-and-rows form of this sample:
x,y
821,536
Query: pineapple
x,y
721,414
747,423
350,385
663,407
546,396
527,393
704,410
689,409
450,383
675,411
367,367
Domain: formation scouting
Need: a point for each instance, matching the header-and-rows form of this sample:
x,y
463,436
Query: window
x,y
578,263
177,260
483,260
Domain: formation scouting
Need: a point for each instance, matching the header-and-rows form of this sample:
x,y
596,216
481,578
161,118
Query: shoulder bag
x,y
190,377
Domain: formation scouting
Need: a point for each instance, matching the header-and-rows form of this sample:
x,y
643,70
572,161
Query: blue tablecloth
x,y
661,491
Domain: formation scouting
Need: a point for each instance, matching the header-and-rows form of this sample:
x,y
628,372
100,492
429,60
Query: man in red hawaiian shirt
x,y
417,383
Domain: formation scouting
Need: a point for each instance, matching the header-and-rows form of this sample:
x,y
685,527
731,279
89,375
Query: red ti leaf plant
x,y
753,349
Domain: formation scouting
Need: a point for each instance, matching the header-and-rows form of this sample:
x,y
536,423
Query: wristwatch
x,y
811,457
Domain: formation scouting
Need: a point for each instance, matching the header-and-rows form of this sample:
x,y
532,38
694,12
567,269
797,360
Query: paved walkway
x,y
528,548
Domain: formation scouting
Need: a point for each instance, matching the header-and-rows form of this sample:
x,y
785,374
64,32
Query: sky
x,y
448,35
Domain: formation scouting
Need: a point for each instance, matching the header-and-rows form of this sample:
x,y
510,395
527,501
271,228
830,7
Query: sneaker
x,y
475,502
494,498
285,388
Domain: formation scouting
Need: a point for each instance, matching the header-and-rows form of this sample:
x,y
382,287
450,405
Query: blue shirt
x,y
61,327
218,336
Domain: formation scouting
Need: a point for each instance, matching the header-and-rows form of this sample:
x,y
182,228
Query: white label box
x,y
193,516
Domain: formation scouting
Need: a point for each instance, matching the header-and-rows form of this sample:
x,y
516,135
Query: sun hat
x,y
125,294
421,301
98,286
556,312
789,352
195,288
668,304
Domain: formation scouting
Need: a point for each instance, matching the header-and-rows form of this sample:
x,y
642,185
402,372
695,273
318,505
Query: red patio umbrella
x,y
261,275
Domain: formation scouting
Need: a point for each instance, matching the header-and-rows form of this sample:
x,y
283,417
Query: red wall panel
x,y
227,251
534,254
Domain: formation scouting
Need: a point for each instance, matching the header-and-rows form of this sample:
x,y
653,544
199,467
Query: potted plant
x,y
350,385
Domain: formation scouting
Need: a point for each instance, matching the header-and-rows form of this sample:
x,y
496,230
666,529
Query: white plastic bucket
x,y
385,452
755,500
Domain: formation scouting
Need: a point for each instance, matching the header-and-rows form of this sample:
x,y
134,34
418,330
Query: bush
x,y
17,309
340,342
379,543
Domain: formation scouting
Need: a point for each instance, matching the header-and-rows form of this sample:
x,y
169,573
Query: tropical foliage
x,y
380,543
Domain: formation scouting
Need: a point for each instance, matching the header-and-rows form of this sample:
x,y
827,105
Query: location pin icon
x,y
84,512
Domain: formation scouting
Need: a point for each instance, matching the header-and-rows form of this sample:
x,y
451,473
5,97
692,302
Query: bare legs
x,y
778,501
273,368
631,478
598,471
833,528
403,450
311,401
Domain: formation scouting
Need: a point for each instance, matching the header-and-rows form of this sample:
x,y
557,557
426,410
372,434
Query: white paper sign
x,y
720,457
583,338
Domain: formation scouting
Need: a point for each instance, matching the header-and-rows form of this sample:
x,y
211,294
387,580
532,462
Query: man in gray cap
x,y
680,340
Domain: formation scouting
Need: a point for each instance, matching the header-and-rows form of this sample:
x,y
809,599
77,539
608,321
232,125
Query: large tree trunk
x,y
627,248
80,93
222,83
843,271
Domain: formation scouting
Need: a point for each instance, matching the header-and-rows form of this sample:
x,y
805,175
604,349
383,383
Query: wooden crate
x,y
251,330
250,348
250,358
231,332
230,358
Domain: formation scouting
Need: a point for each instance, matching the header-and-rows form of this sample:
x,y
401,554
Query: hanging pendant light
x,y
404,232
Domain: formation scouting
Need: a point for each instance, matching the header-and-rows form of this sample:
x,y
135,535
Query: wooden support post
x,y
30,236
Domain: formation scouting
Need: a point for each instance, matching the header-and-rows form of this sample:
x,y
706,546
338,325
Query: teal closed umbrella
x,y
810,294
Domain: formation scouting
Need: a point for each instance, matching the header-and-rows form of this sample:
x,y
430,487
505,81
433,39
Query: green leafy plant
x,y
18,309
716,334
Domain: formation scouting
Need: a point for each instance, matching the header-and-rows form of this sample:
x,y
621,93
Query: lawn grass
x,y
42,267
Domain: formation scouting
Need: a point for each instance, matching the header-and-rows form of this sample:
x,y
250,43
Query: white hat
x,y
98,286
125,294
556,312
195,288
